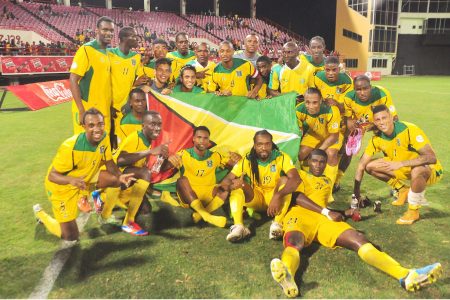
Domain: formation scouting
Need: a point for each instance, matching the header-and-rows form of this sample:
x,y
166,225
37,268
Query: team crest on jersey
x,y
398,141
133,62
239,73
102,149
338,90
321,120
302,81
326,181
273,168
209,163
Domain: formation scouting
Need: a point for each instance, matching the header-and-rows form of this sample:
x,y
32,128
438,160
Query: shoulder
x,y
343,78
321,75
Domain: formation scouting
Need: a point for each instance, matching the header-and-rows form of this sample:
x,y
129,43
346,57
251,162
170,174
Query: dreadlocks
x,y
252,157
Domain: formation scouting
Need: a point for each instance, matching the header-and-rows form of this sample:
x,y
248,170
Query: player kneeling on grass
x,y
75,171
131,157
268,190
408,156
310,221
197,185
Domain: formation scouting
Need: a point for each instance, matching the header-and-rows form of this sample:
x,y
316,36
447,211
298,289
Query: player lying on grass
x,y
408,156
269,190
196,188
310,221
75,171
132,157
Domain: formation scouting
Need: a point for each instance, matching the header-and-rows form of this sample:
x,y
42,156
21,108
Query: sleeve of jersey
x,y
333,124
347,107
238,169
274,82
287,163
80,63
108,154
253,71
212,86
417,138
63,161
371,148
140,67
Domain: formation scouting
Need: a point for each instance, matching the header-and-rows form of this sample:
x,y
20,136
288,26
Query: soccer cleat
x,y
400,196
37,208
281,274
83,205
134,229
354,142
410,216
98,202
419,278
237,233
109,221
275,231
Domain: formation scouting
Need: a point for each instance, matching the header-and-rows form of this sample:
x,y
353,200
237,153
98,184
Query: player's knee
x,y
420,171
294,239
332,156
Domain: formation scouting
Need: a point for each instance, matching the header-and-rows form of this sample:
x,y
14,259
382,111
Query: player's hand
x,y
127,179
141,80
113,112
335,216
225,185
201,74
268,97
162,150
252,94
390,165
274,205
234,158
166,91
237,183
80,118
78,182
175,160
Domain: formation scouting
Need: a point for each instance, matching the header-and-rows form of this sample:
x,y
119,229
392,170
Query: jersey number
x,y
267,179
291,221
200,172
125,71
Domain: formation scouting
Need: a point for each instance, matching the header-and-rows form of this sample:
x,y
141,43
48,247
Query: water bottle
x,y
157,165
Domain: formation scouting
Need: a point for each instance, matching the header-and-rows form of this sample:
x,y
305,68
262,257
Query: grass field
x,y
182,260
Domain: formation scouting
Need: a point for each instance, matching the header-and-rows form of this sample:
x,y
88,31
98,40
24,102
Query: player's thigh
x,y
329,231
338,144
308,143
299,220
257,203
204,193
64,204
139,172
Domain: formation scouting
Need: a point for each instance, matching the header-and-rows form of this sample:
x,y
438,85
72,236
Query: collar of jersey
x,y
130,119
144,138
119,53
194,154
398,128
94,44
82,143
311,61
273,156
374,96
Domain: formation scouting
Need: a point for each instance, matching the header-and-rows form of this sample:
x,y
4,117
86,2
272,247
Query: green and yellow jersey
x,y
315,67
203,82
200,171
195,89
181,60
270,171
149,69
333,90
236,79
126,125
362,111
135,142
286,80
316,188
124,70
320,125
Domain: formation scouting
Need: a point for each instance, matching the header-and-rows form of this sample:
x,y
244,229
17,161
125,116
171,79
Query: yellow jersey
x,y
286,80
180,59
126,125
270,171
135,142
320,125
76,157
203,82
316,188
314,67
236,79
333,90
362,111
124,69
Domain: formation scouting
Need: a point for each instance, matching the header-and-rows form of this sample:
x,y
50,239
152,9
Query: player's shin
x,y
237,200
137,195
112,196
382,261
291,258
215,204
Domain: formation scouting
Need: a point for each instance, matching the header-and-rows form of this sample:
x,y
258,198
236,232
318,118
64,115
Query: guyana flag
x,y
232,121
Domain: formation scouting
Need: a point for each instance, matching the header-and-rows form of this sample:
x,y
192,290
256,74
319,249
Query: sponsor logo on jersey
x,y
239,73
420,139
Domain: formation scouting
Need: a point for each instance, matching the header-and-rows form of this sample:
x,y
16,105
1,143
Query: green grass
x,y
182,260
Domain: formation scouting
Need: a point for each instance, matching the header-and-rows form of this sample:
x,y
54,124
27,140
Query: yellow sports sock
x,y
166,197
339,176
215,204
215,220
395,183
137,195
51,224
286,202
111,199
331,172
413,206
237,200
381,261
291,259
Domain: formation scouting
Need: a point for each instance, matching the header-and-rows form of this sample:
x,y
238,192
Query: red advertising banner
x,y
18,65
373,75
43,94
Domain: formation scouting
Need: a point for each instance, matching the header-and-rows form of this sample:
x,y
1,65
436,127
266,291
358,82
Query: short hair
x,y
312,91
291,44
163,61
380,108
318,151
318,38
361,78
160,42
203,43
265,59
104,19
92,111
124,32
262,132
148,113
181,33
202,128
136,91
187,67
332,60
226,43
252,34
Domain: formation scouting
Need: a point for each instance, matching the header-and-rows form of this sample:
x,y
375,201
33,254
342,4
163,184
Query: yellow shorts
x,y
261,200
314,226
436,173
77,128
314,142
204,194
64,202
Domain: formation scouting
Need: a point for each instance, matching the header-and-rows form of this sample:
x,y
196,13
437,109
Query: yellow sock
x,y
286,202
215,220
215,204
395,183
381,261
137,195
339,176
111,199
166,197
51,224
237,200
291,259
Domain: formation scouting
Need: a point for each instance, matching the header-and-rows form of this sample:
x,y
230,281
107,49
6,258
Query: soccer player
x,y
264,65
293,75
358,106
310,221
320,125
187,81
196,187
408,156
232,75
268,189
250,52
163,73
90,78
160,50
203,66
132,157
182,55
132,121
75,171
316,58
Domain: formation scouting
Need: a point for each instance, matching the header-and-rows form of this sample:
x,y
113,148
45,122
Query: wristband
x,y
325,211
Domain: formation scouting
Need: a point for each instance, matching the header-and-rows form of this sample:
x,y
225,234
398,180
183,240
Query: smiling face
x,y
384,121
94,127
151,126
251,44
131,39
201,140
226,52
202,53
159,50
188,79
162,73
105,32
312,103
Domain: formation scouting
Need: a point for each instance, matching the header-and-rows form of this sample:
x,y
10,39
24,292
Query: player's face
x,y
363,90
312,103
263,146
317,164
151,126
138,103
332,72
317,49
225,53
384,122
182,44
251,44
202,53
188,79
201,140
131,40
105,33
263,68
162,73
159,51
290,53
94,126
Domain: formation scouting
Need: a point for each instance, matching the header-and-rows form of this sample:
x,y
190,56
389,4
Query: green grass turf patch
x,y
183,260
